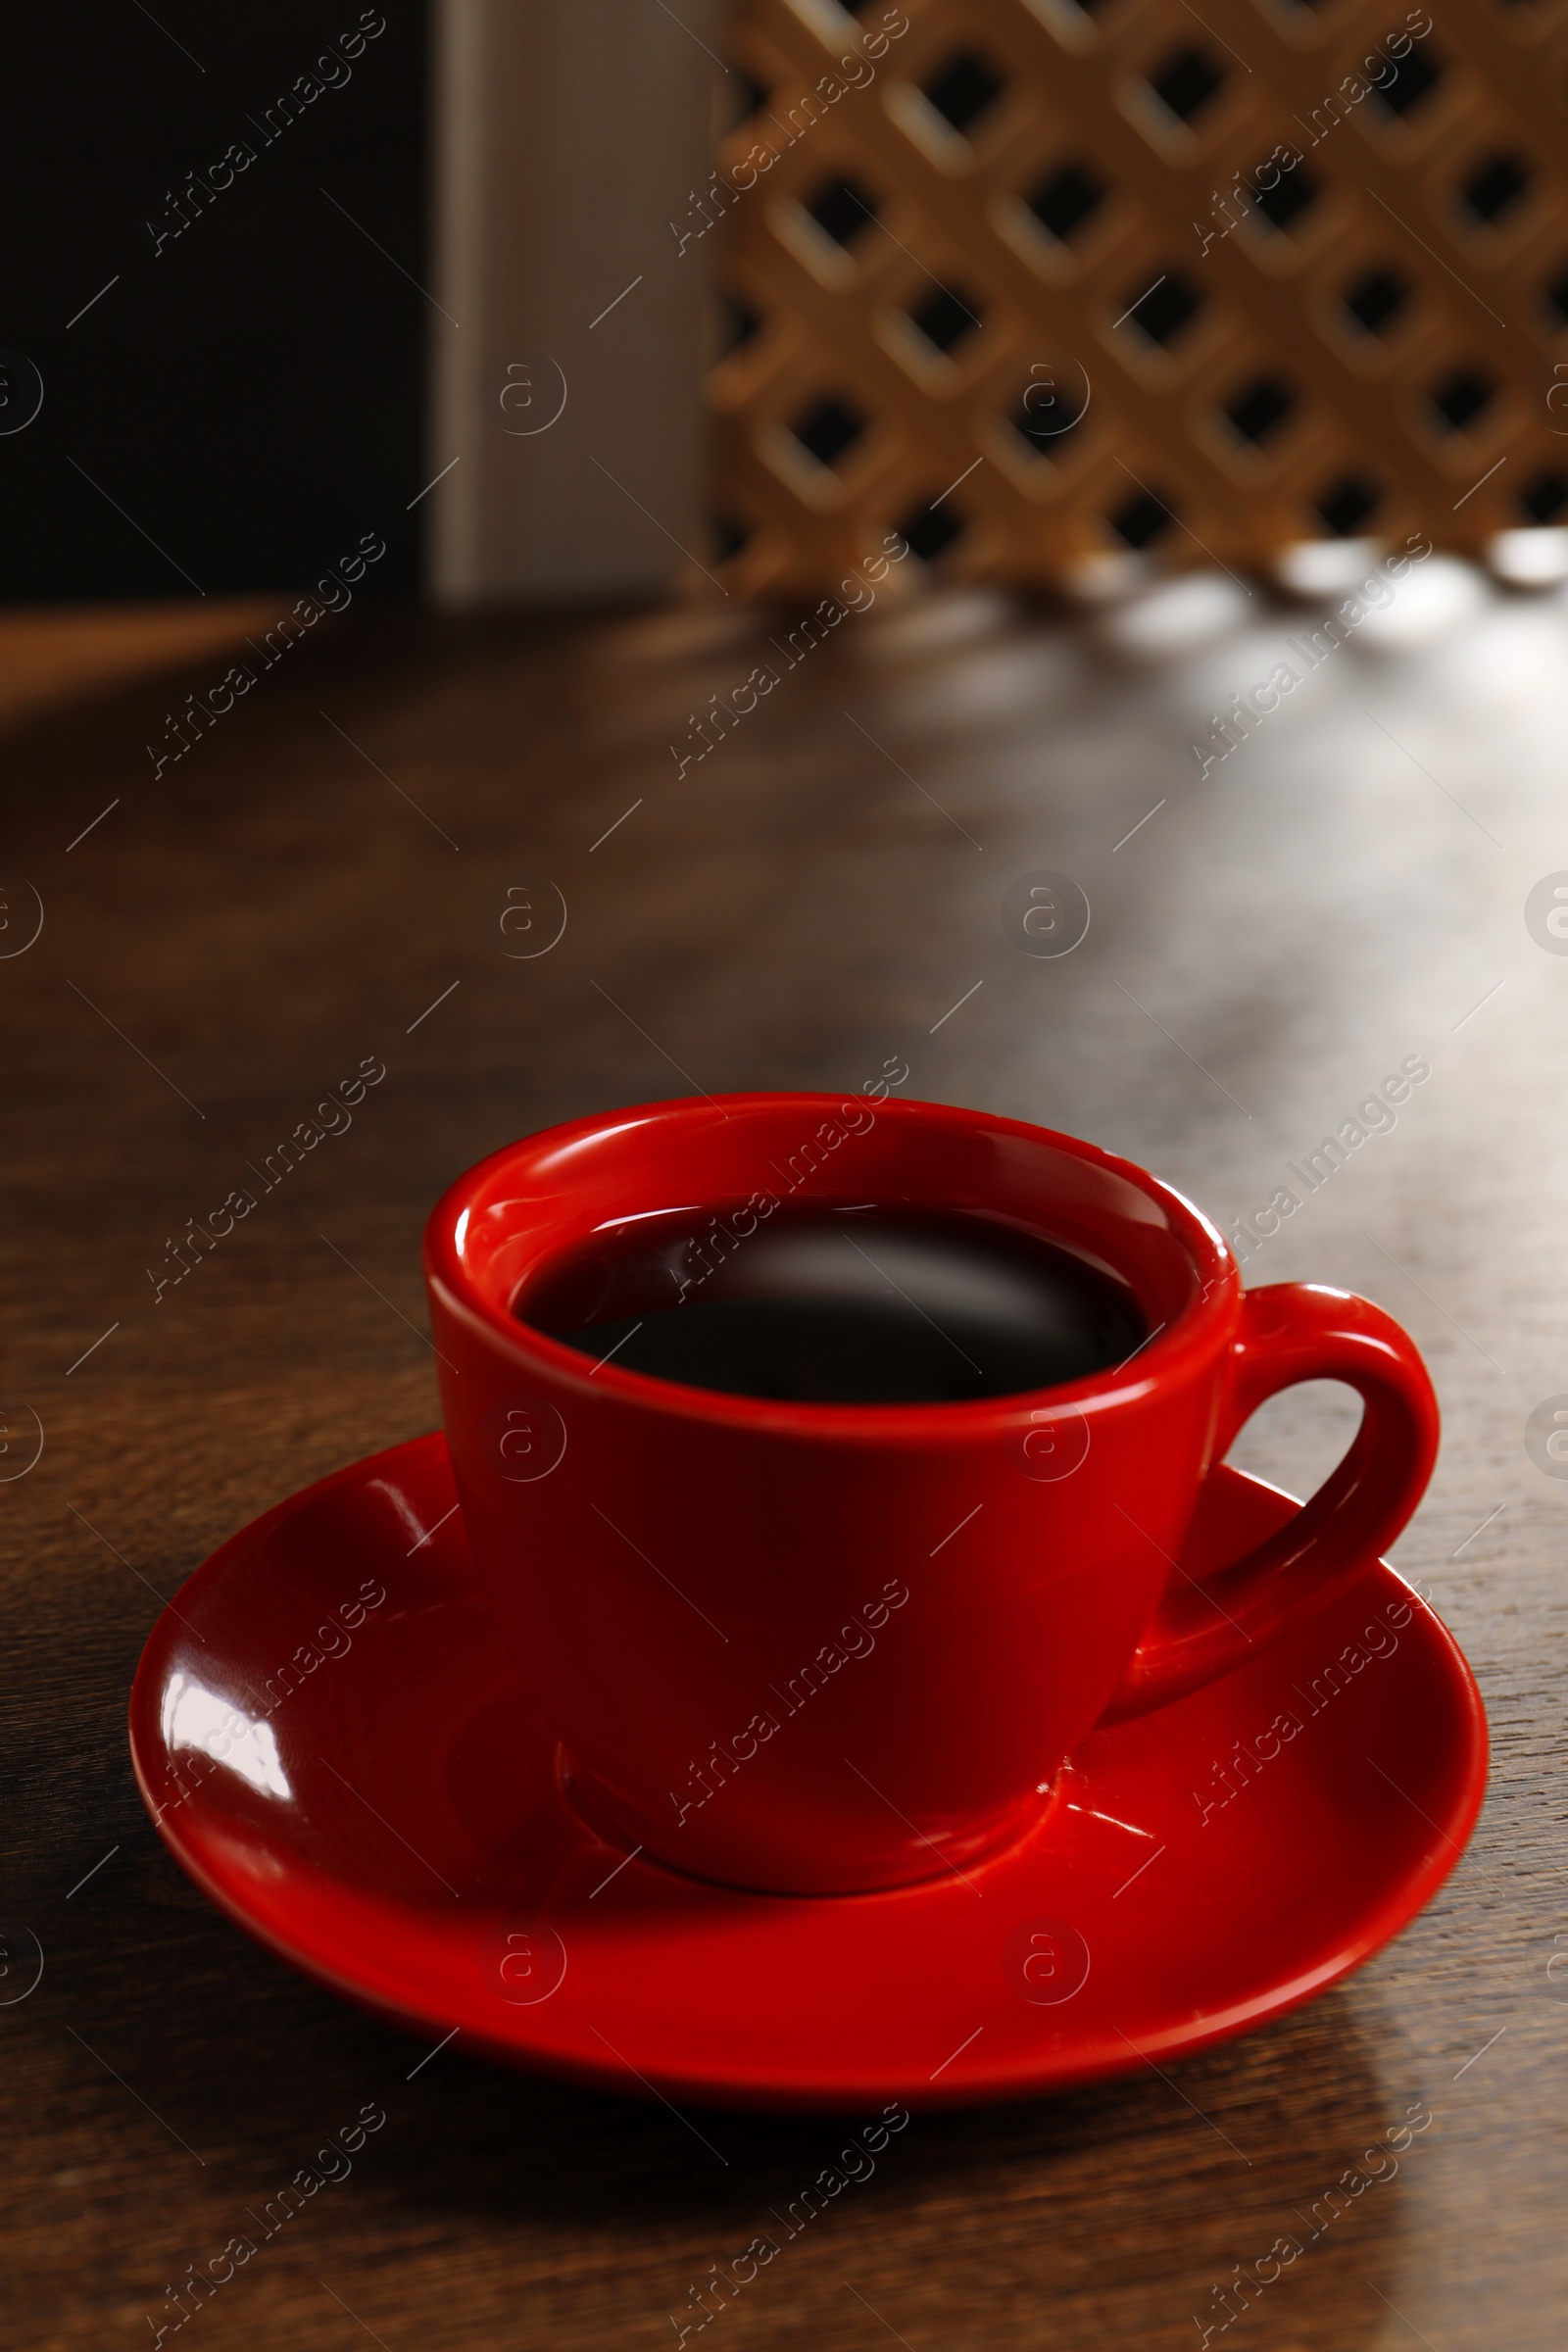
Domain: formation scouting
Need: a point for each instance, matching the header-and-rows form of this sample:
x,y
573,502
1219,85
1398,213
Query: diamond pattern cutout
x,y
843,211
1067,200
964,90
1142,519
1257,414
1347,506
929,531
1294,193
1044,418
1461,398
1546,497
946,319
1169,304
1495,186
1185,82
828,431
1415,77
1376,301
1170,357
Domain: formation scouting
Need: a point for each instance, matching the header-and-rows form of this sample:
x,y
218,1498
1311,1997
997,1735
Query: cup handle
x,y
1291,1332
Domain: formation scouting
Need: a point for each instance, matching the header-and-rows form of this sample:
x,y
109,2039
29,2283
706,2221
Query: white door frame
x,y
565,330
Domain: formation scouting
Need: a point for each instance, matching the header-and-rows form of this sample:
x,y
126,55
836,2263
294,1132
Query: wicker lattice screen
x,y
1306,265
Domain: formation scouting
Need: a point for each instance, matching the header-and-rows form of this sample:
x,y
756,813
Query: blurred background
x,y
590,551
213,364
634,297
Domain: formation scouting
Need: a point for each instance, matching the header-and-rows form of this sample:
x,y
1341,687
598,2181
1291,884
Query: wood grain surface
x,y
321,877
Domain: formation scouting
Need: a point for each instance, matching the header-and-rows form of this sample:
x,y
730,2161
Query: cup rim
x,y
1172,1350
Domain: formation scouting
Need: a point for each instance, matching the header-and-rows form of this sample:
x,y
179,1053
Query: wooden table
x,y
322,876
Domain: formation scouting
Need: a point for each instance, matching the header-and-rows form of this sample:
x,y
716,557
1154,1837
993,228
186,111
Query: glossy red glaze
x,y
390,1818
819,1649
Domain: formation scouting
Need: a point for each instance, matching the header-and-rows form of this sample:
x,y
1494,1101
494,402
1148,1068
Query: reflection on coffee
x,y
860,1304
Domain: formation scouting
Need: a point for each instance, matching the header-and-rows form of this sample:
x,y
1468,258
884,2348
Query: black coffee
x,y
853,1305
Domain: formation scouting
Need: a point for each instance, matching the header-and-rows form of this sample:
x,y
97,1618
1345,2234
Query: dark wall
x,y
250,392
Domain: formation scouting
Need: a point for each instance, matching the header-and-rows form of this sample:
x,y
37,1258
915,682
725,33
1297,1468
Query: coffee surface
x,y
863,1305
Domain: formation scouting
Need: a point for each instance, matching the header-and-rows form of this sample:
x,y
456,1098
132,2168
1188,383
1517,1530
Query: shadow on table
x,y
1126,2211
1123,2213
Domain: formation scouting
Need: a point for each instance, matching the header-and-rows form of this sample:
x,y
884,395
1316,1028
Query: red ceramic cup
x,y
816,1649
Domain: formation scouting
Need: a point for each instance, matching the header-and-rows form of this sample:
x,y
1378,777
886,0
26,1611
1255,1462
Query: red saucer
x,y
354,1780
